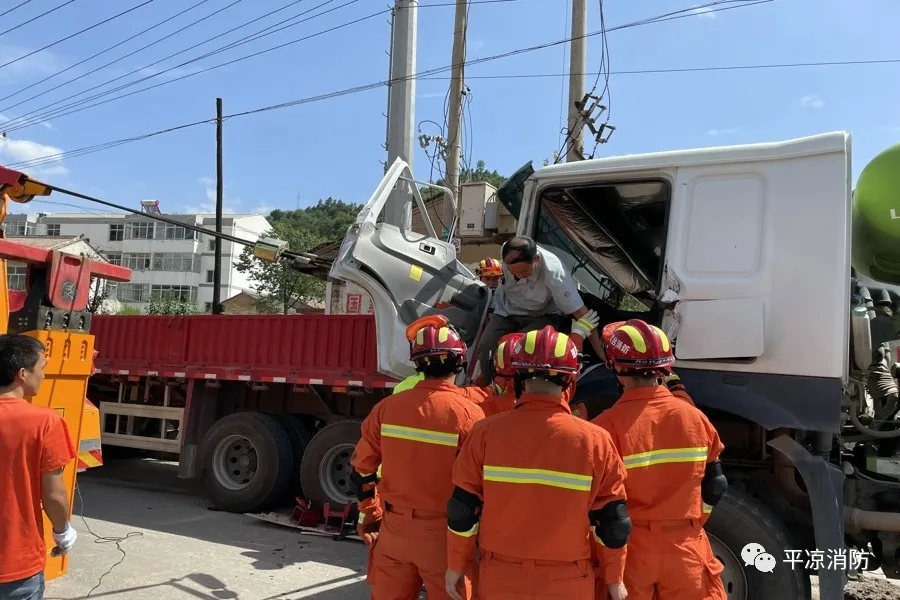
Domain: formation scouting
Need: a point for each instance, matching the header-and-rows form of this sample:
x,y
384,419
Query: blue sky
x,y
294,156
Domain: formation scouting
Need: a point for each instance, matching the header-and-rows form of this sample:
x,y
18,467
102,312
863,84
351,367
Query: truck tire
x,y
737,520
247,462
299,437
325,470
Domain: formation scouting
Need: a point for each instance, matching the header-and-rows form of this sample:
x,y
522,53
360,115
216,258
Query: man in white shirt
x,y
536,291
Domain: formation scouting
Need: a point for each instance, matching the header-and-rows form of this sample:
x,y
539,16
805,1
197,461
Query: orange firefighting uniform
x,y
414,435
665,444
525,464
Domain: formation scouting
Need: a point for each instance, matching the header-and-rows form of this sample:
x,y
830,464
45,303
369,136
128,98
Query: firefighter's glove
x,y
64,540
368,525
673,382
586,324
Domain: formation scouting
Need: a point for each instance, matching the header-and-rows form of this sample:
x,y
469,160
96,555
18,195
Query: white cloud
x,y
46,124
812,101
14,151
704,12
263,209
209,207
726,131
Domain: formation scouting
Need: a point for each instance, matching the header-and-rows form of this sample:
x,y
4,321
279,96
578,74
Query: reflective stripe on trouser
x,y
414,434
508,578
411,550
672,562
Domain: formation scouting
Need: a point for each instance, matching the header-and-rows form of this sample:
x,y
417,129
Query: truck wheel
x,y
738,520
247,462
299,437
325,471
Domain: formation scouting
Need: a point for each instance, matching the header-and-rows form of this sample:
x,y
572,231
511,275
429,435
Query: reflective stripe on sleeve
x,y
670,455
426,436
707,509
469,533
560,479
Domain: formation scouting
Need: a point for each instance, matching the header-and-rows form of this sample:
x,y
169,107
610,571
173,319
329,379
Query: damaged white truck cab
x,y
742,254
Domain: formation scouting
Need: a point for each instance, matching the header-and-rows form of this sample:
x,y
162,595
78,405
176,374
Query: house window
x,y
15,277
181,262
207,307
212,244
138,230
114,258
116,232
24,228
167,231
133,292
210,276
53,229
136,261
184,293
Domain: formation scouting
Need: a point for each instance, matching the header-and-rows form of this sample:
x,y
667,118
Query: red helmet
x,y
604,340
547,353
639,346
503,355
434,338
490,267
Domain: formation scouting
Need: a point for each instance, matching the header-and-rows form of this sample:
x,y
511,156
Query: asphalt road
x,y
162,543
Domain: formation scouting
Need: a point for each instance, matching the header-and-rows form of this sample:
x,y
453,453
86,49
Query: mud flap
x,y
825,484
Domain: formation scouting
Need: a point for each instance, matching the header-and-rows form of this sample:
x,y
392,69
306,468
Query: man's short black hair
x,y
524,247
17,352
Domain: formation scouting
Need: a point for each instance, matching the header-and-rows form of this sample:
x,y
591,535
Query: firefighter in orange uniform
x,y
415,436
520,465
490,271
671,452
500,396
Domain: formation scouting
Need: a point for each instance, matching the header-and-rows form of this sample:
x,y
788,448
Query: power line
x,y
77,33
32,19
20,5
61,111
128,39
132,53
98,147
30,118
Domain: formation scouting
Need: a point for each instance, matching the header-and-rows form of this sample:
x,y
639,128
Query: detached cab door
x,y
409,275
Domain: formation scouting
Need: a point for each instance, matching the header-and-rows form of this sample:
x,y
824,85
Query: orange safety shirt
x,y
539,471
665,444
34,441
414,435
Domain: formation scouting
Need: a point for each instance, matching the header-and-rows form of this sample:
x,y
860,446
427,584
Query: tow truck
x,y
52,309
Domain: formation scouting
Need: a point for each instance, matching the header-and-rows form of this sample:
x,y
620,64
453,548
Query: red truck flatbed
x,y
330,350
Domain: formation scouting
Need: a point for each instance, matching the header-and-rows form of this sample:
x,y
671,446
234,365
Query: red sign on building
x,y
354,303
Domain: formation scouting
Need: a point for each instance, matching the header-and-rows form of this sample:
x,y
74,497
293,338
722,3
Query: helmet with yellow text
x,y
434,341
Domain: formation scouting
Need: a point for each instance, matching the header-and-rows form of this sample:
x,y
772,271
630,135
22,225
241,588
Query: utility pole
x,y
577,61
402,106
220,195
455,114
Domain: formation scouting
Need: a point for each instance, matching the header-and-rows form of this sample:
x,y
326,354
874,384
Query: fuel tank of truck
x,y
876,218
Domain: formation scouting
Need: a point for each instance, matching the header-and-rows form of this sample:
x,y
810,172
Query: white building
x,y
165,260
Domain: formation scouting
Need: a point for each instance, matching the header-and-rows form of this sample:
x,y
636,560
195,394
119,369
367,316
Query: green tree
x,y
127,309
279,286
168,305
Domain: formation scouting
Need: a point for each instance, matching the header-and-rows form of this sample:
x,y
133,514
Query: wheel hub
x,y
733,577
334,473
234,462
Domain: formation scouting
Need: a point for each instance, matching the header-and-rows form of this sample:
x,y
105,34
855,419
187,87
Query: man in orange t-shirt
x,y
34,448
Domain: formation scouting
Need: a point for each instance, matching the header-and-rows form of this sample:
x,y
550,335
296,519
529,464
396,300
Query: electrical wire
x,y
101,67
99,539
32,19
81,62
30,118
96,148
77,33
56,112
20,5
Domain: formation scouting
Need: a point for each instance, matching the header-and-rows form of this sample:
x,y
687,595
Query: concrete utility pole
x,y
220,197
455,114
402,107
577,61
